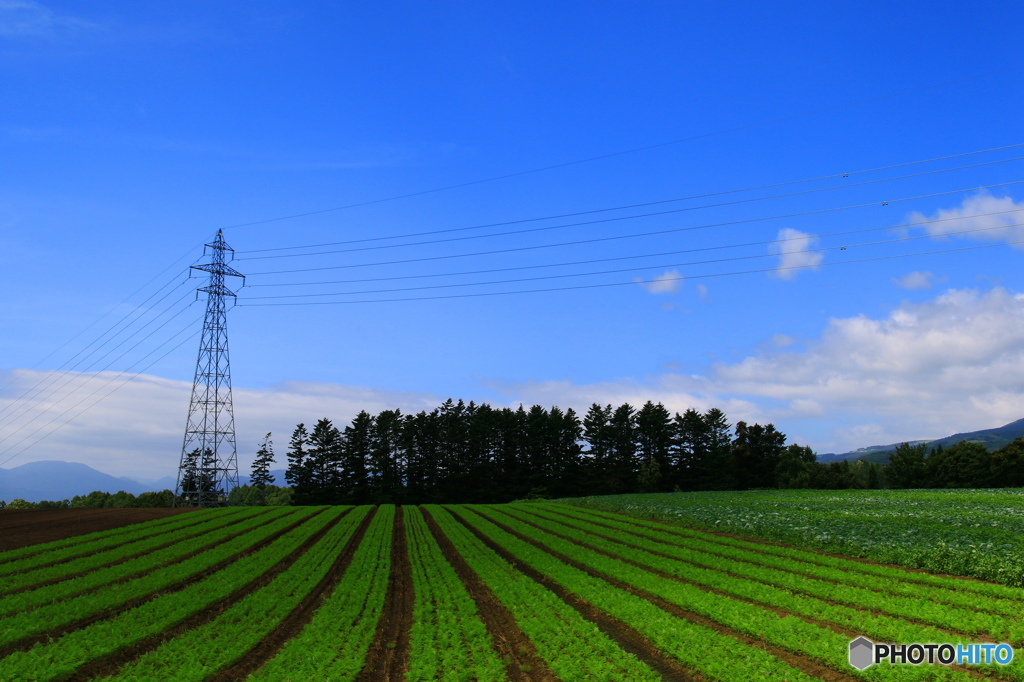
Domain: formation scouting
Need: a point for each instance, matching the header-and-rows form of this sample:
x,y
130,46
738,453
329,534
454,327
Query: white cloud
x,y
24,18
137,430
702,291
917,280
925,370
991,218
669,282
792,247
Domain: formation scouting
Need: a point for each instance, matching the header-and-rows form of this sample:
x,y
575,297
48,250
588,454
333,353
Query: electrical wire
x,y
99,400
646,267
622,258
691,138
644,204
141,341
56,375
631,283
595,240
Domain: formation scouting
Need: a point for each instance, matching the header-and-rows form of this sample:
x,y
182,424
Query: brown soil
x,y
24,527
294,622
109,665
123,559
522,663
797,661
622,634
29,642
388,657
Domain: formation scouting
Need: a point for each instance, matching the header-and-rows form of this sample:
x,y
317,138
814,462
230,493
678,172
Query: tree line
x,y
462,452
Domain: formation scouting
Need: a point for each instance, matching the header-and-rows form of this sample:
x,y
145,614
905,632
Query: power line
x,y
54,376
99,400
631,217
691,138
620,284
646,267
621,258
595,240
644,204
141,341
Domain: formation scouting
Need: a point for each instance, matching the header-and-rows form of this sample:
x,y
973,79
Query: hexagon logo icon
x,y
862,652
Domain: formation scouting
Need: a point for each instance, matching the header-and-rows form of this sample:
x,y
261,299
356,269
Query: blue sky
x,y
131,132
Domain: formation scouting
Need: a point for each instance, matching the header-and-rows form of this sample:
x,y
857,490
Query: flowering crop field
x,y
531,591
974,533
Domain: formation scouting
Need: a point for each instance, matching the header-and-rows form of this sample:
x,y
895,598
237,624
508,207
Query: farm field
x,y
974,533
525,591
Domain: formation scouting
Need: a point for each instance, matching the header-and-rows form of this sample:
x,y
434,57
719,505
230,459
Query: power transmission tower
x,y
209,459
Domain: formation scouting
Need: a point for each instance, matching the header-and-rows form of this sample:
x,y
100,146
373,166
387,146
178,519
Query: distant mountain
x,y
992,439
53,480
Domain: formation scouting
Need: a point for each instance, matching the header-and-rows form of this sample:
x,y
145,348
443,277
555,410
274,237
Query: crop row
x,y
976,533
117,543
196,653
919,608
60,657
522,591
762,612
448,640
106,538
90,563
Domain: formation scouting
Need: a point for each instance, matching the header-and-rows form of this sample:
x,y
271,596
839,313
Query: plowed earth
x,y
24,527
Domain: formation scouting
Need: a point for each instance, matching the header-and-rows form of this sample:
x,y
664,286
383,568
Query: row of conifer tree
x,y
462,452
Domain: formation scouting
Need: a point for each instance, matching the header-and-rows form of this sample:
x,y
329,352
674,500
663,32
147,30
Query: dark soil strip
x,y
157,533
29,642
23,527
125,559
109,665
522,663
796,660
622,634
388,657
292,625
750,562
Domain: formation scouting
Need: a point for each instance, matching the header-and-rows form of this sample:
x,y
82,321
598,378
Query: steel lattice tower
x,y
209,459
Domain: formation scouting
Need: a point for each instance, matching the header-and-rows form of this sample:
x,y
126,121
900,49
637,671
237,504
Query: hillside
x,y
992,439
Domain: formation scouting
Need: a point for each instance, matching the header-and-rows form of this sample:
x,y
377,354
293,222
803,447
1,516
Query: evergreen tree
x,y
323,458
655,437
298,474
623,465
715,470
386,457
357,445
261,465
756,453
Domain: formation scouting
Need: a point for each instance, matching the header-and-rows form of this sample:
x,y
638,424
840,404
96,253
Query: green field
x,y
531,591
974,533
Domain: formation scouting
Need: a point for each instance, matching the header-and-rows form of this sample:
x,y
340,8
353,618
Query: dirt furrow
x,y
29,642
292,625
803,663
522,663
109,665
388,657
622,634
